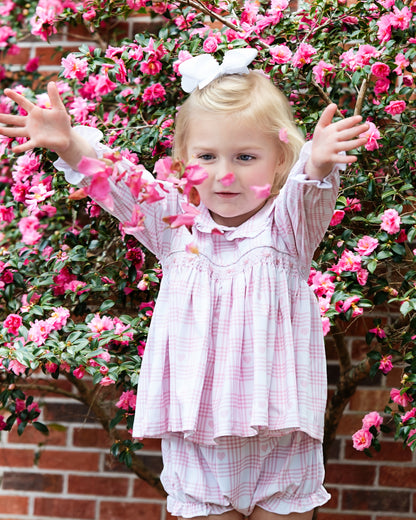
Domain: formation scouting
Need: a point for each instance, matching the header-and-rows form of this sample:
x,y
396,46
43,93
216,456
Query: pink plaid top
x,y
236,343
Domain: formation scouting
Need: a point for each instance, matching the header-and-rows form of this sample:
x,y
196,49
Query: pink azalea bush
x,y
77,291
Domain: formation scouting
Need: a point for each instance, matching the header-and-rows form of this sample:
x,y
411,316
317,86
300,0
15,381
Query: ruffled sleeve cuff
x,y
298,173
93,136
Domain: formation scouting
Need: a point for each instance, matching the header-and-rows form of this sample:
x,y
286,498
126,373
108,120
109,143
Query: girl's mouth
x,y
226,194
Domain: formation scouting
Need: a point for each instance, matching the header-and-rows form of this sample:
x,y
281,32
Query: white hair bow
x,y
202,69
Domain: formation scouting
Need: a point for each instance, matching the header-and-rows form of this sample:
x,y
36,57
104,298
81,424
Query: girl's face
x,y
223,144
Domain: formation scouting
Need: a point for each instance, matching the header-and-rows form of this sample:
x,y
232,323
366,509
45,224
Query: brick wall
x,y
71,474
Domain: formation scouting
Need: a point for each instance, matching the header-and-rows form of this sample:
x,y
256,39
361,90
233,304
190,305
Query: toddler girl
x,y
234,375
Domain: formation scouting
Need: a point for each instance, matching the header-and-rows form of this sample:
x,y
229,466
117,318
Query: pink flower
x,y
362,439
379,69
378,331
400,398
228,179
74,68
411,433
390,221
401,18
326,325
16,367
32,65
372,135
6,214
28,227
154,94
321,71
151,67
366,245
303,55
192,248
99,324
186,218
382,85
59,317
352,204
51,367
280,54
127,401
372,419
362,276
350,303
408,415
136,223
386,364
39,331
283,135
401,62
3,424
210,44
337,217
79,372
107,381
99,188
395,107
348,262
12,323
261,192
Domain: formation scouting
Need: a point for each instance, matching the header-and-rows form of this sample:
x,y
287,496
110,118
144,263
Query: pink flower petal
x,y
262,192
228,179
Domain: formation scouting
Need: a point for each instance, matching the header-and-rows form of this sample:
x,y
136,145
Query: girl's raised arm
x,y
330,139
45,128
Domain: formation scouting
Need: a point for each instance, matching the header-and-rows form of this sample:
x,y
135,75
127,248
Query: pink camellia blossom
x,y
348,262
28,226
76,286
350,302
384,24
362,439
381,86
321,71
228,179
395,107
408,415
362,276
402,399
400,18
99,324
372,419
378,331
262,192
352,204
303,55
74,68
154,94
210,44
411,433
32,65
326,325
192,248
16,367
366,245
59,317
372,135
12,323
280,54
151,67
127,401
107,381
99,188
379,69
136,223
390,221
283,135
39,331
51,367
402,62
79,372
6,213
337,217
386,364
3,424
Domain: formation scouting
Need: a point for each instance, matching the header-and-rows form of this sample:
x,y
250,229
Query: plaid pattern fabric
x,y
236,344
281,475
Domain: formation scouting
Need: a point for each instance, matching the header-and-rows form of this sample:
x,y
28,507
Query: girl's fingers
x,y
21,148
54,96
327,115
8,119
20,100
11,131
350,133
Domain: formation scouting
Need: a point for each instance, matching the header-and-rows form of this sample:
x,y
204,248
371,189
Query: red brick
x,y
359,349
350,423
333,501
24,481
51,56
102,486
12,505
389,451
32,436
65,508
395,518
369,399
91,437
334,516
69,460
350,474
17,458
137,510
151,444
373,500
16,59
394,377
144,490
394,476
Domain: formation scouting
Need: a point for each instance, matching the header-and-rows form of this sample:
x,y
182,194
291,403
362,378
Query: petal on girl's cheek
x,y
261,192
228,179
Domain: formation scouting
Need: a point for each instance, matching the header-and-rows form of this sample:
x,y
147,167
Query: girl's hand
x,y
329,139
44,128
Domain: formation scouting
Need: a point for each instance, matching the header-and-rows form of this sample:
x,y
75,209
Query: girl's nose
x,y
223,169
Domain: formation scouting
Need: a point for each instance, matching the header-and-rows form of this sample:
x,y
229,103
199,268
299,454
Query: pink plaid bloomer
x,y
279,474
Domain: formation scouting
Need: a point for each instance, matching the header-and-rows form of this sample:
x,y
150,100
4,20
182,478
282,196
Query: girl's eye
x,y
206,157
245,157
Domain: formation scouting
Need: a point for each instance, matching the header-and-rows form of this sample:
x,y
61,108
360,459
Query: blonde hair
x,y
255,99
